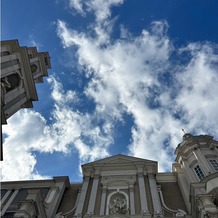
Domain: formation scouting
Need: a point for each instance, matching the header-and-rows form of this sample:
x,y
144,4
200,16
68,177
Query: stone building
x,y
124,186
21,68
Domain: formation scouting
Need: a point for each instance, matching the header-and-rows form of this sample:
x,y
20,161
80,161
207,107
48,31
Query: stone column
x,y
189,173
142,193
82,197
155,196
132,200
92,199
103,200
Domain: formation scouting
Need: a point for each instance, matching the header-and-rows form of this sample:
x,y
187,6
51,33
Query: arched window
x,y
10,82
34,68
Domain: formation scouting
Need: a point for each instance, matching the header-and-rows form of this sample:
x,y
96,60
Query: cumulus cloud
x,y
70,130
197,97
133,76
137,76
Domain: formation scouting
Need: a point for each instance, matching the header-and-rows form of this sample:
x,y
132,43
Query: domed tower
x,y
197,170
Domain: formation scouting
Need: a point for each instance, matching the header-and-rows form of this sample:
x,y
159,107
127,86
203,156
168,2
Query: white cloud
x,y
32,42
77,5
101,8
198,97
18,161
128,76
132,76
28,131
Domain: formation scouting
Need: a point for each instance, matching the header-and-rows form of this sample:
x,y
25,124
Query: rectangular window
x,y
199,172
214,164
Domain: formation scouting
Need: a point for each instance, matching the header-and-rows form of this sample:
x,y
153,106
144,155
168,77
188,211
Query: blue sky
x,y
126,77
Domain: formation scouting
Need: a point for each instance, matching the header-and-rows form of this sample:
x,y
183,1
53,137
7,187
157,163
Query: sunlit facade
x,y
124,186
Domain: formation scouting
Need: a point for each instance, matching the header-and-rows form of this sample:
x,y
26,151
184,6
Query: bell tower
x,y
197,170
21,68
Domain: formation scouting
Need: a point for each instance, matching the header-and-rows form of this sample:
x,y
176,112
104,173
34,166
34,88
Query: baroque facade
x,y
124,186
21,68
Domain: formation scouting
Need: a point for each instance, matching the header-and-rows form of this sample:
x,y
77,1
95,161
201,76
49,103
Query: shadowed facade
x,y
124,186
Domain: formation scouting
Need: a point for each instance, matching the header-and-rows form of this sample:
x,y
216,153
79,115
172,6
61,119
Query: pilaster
x,y
92,199
132,201
142,193
82,196
155,196
103,200
204,163
189,172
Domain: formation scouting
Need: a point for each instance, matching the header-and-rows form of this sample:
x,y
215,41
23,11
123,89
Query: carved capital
x,y
140,175
104,189
86,178
96,176
131,188
151,176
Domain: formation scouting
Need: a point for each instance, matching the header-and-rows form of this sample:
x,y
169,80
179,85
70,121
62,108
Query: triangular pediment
x,y
119,163
119,159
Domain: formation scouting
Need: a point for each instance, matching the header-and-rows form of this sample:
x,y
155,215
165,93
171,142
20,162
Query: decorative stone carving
x,y
104,189
86,178
96,176
118,204
33,68
181,213
205,205
27,209
131,188
10,82
140,175
151,176
5,84
210,215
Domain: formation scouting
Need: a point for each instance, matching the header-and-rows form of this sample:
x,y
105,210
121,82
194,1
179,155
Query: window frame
x,y
199,171
215,165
